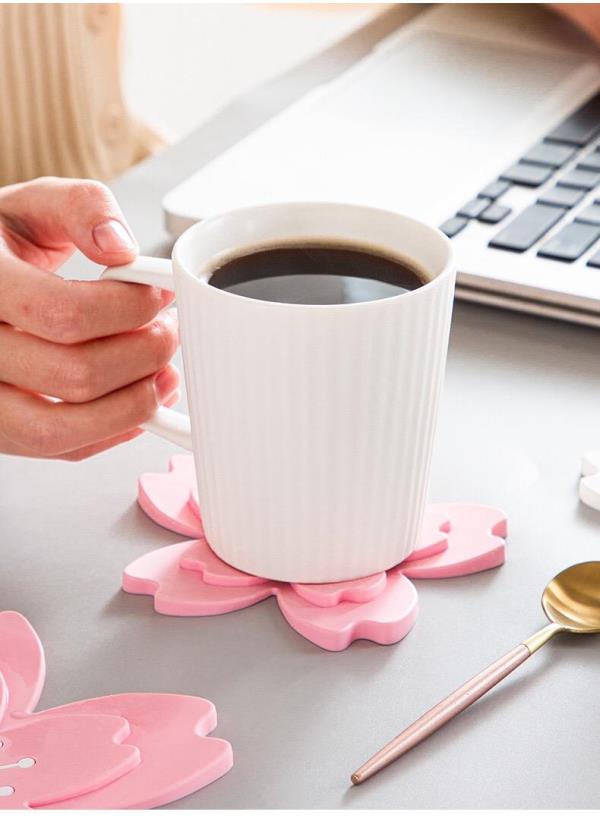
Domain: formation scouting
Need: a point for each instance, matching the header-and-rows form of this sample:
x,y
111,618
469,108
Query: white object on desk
x,y
312,425
589,485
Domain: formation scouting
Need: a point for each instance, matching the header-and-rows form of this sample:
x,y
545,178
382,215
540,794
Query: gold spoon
x,y
571,601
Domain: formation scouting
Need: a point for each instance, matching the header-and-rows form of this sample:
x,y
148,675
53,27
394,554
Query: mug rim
x,y
200,279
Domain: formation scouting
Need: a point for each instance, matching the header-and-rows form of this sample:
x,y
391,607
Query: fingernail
x,y
165,384
112,237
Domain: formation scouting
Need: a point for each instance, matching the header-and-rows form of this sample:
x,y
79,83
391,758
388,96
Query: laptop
x,y
482,120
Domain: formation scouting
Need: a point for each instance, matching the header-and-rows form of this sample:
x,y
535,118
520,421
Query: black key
x,y
589,215
579,178
529,226
473,208
528,175
494,213
549,154
453,226
591,161
570,242
495,189
561,196
581,126
594,261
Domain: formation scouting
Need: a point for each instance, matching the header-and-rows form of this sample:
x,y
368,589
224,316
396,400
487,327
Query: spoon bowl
x,y
572,598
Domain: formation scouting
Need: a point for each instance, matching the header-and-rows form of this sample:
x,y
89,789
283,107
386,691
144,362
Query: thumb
x,y
58,213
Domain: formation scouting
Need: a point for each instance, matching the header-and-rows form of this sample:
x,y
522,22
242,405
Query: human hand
x,y
100,347
584,15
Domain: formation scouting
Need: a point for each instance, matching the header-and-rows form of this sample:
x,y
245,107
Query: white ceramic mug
x,y
311,425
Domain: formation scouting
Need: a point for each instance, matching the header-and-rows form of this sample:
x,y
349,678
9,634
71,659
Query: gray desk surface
x,y
521,404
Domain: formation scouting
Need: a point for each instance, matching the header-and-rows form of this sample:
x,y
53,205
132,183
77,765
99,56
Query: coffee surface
x,y
316,274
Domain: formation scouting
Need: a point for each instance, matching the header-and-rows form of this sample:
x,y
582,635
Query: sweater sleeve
x,y
62,111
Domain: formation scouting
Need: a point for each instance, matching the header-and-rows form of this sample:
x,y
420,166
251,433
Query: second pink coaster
x,y
188,579
125,751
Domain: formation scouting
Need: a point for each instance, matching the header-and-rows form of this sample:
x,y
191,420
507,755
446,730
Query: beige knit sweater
x,y
61,105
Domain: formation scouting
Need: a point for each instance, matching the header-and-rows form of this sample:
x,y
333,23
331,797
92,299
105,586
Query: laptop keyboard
x,y
529,226
572,143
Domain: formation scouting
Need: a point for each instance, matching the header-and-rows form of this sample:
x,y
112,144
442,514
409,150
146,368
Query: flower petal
x,y
385,619
194,501
328,594
475,543
179,592
3,697
22,664
434,534
177,757
73,754
213,570
165,497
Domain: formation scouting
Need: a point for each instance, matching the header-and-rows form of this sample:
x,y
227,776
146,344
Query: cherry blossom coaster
x,y
134,750
188,579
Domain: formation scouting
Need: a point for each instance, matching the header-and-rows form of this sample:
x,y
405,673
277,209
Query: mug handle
x,y
173,426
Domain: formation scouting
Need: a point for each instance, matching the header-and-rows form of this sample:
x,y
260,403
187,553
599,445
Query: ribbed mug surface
x,y
313,426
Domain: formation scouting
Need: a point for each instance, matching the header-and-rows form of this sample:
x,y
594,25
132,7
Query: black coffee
x,y
316,274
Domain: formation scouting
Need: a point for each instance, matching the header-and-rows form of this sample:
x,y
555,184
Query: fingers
x,y
70,312
79,373
96,346
39,427
55,213
97,448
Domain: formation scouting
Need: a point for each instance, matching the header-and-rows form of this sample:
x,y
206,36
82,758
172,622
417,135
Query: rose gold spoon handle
x,y
453,704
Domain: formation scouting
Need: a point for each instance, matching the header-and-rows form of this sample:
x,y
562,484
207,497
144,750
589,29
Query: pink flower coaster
x,y
188,579
133,750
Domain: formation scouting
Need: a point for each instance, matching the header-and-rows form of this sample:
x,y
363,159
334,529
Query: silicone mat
x,y
188,579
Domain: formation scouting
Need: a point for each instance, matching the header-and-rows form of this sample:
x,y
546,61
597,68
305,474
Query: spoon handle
x,y
435,718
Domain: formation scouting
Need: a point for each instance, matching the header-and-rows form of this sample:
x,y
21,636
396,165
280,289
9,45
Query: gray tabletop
x,y
521,405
